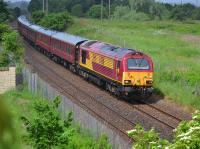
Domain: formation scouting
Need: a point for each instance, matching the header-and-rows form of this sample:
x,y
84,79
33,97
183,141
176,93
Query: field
x,y
174,47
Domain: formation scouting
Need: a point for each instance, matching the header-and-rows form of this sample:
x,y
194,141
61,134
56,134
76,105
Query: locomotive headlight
x,y
149,82
127,81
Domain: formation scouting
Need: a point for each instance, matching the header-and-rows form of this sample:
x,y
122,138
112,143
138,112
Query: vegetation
x,y
151,8
174,47
77,10
12,50
4,12
187,135
55,21
95,11
36,123
7,132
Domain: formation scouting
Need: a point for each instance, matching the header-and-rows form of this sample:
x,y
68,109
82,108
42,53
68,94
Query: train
x,y
121,71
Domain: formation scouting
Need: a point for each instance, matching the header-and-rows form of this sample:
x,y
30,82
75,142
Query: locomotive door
x,y
117,69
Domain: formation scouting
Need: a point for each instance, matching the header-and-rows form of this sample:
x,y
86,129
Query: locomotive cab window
x,y
138,64
84,56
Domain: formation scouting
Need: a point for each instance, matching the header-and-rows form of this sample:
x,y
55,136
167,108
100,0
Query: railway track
x,y
174,121
61,83
162,117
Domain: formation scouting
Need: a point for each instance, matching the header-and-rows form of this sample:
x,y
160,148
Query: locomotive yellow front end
x,y
138,74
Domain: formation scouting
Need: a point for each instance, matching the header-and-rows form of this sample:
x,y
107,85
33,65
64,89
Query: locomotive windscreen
x,y
138,64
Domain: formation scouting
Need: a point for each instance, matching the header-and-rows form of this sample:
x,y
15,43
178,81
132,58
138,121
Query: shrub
x,y
12,51
95,11
120,11
133,16
77,10
4,28
196,14
47,129
37,16
187,135
57,21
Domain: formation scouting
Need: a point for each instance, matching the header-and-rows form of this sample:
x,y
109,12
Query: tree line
x,y
120,9
11,50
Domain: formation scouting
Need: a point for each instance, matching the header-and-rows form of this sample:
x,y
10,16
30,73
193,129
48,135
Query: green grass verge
x,y
173,46
20,103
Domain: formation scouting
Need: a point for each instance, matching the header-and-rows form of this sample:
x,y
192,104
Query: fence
x,y
7,78
86,120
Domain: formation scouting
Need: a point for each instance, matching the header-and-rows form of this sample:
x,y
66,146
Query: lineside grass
x,y
174,47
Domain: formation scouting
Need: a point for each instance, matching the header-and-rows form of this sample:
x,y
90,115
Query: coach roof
x,y
65,37
23,20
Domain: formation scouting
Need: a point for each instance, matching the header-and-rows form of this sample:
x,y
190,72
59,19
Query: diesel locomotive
x,y
120,70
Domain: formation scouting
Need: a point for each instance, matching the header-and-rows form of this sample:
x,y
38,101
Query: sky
x,y
196,2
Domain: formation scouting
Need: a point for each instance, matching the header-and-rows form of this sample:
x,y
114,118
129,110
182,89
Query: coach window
x,y
68,49
84,55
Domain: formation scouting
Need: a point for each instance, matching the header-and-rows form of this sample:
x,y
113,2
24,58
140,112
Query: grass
x,y
173,46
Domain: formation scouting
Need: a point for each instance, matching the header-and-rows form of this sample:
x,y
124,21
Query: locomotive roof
x,y
24,21
108,49
65,37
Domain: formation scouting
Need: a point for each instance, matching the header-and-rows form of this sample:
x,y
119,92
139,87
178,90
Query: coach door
x,y
77,54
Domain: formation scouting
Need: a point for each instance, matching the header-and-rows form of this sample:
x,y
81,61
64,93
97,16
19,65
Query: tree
x,y
46,129
57,21
95,11
157,10
120,11
12,51
141,5
37,16
196,14
182,12
77,10
4,28
35,5
4,13
17,11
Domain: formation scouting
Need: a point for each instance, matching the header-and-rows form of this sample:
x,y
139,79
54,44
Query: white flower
x,y
131,131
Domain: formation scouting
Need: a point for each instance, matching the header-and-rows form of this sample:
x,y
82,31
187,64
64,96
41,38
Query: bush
x,y
187,135
95,11
57,21
4,28
47,129
182,12
120,11
196,14
77,10
37,16
12,51
133,16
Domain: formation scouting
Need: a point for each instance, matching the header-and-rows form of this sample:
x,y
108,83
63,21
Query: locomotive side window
x,y
83,56
138,64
